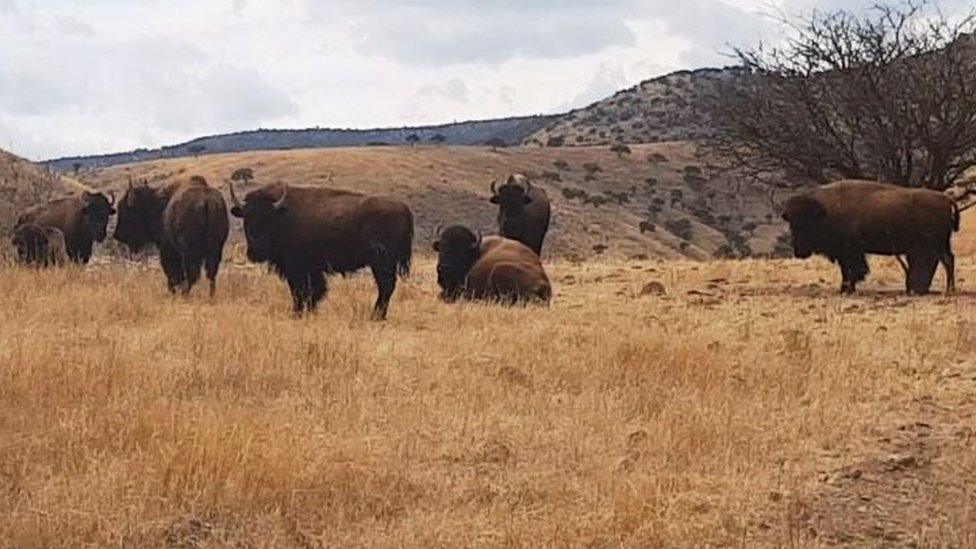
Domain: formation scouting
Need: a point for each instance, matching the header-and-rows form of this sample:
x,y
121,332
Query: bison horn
x,y
528,186
130,181
233,197
437,231
480,238
493,191
111,195
281,201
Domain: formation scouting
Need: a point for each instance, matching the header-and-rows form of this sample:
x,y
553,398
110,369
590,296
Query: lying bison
x,y
848,219
303,232
82,220
39,246
187,221
491,268
523,211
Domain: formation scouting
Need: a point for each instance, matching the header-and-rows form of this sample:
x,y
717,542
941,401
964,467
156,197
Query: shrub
x,y
679,227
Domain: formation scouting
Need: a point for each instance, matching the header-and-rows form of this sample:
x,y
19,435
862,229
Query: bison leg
x,y
191,274
385,276
853,269
948,260
921,270
172,267
307,289
212,267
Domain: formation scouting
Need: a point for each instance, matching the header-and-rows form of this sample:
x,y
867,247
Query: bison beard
x,y
846,220
305,233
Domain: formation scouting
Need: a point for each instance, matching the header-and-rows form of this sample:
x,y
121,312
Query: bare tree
x,y
496,143
413,139
242,174
887,95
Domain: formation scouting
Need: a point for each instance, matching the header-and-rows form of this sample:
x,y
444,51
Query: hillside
x,y
689,208
23,184
509,130
661,109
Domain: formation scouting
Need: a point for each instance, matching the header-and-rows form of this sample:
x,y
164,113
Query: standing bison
x,y
187,221
82,220
303,232
39,246
848,219
491,268
523,211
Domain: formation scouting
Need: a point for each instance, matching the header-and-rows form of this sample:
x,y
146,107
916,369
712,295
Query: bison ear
x,y
437,246
236,211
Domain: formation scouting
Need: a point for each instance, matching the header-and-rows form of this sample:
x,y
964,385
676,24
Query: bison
x,y
40,246
82,220
188,223
492,268
848,219
523,211
304,233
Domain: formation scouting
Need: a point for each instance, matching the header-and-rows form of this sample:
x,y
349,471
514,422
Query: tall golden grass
x,y
132,418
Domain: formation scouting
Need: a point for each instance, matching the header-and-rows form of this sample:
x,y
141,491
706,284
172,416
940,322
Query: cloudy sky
x,y
93,76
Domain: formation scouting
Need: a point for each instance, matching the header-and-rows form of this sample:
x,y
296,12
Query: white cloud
x,y
108,75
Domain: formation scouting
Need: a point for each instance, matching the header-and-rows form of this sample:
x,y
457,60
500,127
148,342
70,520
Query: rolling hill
x,y
509,130
685,206
668,108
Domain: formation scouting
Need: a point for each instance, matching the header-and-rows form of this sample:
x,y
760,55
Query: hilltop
x,y
668,108
662,200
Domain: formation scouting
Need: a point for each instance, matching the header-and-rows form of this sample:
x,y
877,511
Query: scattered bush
x,y
620,149
656,158
550,176
556,141
592,167
561,165
679,227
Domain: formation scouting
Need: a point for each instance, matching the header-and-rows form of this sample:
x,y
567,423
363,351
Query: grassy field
x,y
747,406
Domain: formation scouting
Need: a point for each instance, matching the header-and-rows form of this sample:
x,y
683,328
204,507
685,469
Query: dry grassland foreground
x,y
749,405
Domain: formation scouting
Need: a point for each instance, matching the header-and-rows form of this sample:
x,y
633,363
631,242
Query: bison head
x,y
805,214
30,242
457,251
97,209
138,209
511,197
262,218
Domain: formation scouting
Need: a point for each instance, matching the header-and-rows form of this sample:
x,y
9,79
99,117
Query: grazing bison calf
x,y
491,268
523,211
848,219
303,232
82,221
187,221
40,246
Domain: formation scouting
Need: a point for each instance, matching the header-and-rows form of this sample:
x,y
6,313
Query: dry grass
x,y
129,418
451,184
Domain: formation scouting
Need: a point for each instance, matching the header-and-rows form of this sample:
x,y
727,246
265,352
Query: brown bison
x,y
187,221
491,268
305,233
523,211
848,219
40,246
82,220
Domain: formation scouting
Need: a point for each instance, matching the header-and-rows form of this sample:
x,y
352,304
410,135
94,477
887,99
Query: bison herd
x,y
305,234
